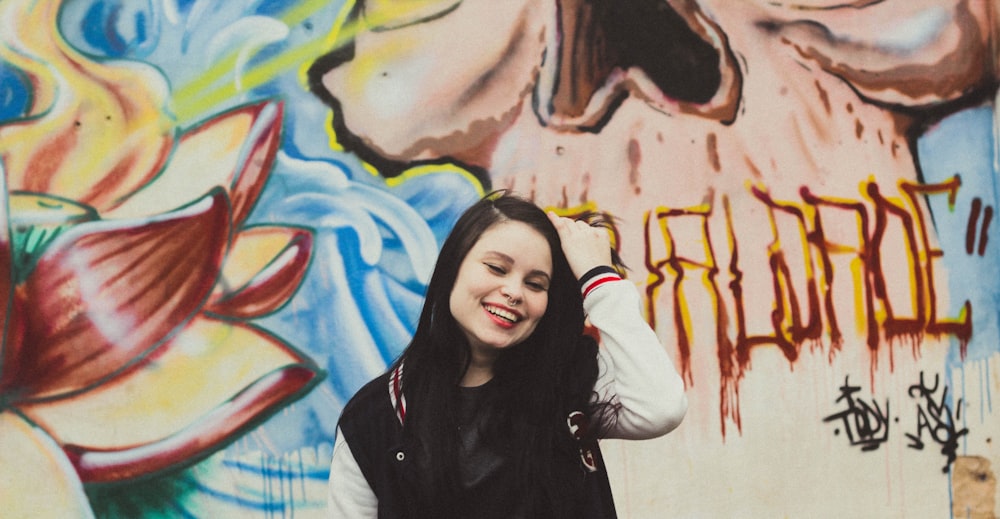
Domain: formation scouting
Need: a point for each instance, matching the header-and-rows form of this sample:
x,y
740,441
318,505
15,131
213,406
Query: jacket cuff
x,y
596,277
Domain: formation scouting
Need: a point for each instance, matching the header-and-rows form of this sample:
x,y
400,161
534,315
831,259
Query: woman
x,y
495,407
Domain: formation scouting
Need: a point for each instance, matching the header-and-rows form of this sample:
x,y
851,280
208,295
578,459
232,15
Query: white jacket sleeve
x,y
350,496
636,372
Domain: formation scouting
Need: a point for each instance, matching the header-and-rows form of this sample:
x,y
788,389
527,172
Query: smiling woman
x,y
503,394
500,294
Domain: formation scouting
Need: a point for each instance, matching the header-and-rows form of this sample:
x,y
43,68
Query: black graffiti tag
x,y
935,420
866,425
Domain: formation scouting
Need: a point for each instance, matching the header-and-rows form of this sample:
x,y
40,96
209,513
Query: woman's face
x,y
501,291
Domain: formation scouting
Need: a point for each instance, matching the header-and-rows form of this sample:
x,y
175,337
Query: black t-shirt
x,y
486,473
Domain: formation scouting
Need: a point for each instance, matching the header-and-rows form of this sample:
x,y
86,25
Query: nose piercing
x,y
511,301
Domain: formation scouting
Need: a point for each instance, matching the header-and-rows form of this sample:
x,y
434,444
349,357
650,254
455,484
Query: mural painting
x,y
221,217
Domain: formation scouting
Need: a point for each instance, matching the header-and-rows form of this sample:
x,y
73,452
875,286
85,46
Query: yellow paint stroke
x,y
331,136
856,265
587,207
208,91
191,102
426,169
96,131
338,36
377,16
858,277
705,270
213,88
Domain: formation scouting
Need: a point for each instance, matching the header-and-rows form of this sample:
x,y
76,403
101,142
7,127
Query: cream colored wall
x,y
204,261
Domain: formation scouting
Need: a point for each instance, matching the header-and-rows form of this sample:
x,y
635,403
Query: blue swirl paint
x,y
15,94
115,29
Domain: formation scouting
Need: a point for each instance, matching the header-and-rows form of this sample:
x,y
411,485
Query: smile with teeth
x,y
502,313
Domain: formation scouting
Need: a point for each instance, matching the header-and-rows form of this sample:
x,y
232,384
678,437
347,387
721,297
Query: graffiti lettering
x,y
935,420
960,327
970,232
865,425
876,237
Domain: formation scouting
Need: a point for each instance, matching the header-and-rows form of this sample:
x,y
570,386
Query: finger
x,y
557,221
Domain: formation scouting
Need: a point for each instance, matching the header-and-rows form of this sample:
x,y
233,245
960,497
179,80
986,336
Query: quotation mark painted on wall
x,y
970,232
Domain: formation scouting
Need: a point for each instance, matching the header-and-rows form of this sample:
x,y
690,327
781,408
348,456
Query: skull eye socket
x,y
602,36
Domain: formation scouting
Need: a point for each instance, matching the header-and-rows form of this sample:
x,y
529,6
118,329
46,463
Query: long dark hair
x,y
538,382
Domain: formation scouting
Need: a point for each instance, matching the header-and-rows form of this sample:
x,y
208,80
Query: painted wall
x,y
203,259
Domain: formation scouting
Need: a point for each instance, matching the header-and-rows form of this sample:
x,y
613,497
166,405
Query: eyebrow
x,y
509,259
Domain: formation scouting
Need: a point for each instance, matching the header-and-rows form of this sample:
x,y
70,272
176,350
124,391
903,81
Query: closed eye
x,y
537,286
496,269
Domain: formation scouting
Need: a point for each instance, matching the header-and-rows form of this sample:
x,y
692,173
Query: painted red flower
x,y
128,343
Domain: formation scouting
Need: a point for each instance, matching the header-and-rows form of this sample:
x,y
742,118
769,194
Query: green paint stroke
x,y
214,88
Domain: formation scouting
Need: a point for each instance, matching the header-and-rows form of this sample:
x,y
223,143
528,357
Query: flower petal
x,y
93,142
262,147
234,150
263,269
36,478
186,401
109,291
6,275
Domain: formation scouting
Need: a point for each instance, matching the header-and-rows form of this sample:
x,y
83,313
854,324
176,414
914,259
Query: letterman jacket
x,y
370,463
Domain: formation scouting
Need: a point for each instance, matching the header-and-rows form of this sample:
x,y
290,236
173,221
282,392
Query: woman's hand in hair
x,y
585,246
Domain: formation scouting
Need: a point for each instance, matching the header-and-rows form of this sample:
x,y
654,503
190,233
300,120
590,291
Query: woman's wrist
x,y
596,277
